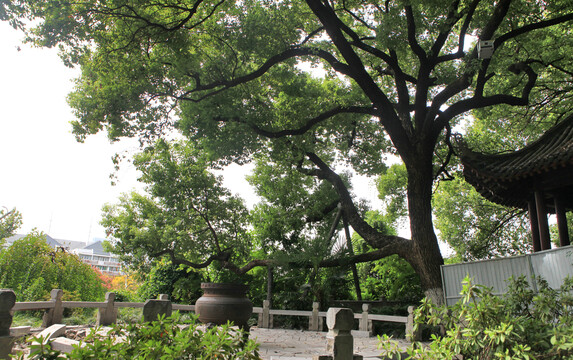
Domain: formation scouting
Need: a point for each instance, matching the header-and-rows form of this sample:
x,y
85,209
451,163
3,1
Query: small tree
x,y
186,214
10,221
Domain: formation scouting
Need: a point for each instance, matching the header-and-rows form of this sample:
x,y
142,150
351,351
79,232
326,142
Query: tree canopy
x,y
391,77
186,215
32,269
10,221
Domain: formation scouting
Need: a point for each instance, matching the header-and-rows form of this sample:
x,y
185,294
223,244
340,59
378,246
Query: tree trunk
x,y
270,285
425,257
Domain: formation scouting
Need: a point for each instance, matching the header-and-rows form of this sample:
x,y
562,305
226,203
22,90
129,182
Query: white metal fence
x,y
552,265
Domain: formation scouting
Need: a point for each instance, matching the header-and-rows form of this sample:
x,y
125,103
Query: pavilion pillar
x,y
542,221
561,222
534,226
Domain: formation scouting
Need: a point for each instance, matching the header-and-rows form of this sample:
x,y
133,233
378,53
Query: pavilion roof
x,y
511,178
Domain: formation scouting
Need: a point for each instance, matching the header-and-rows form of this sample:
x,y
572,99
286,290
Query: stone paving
x,y
277,344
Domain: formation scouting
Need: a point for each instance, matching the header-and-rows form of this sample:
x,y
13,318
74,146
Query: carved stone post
x,y
108,315
411,335
340,343
266,315
364,323
313,321
54,315
7,301
153,308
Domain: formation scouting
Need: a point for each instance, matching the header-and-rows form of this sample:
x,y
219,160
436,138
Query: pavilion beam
x,y
534,226
561,222
542,221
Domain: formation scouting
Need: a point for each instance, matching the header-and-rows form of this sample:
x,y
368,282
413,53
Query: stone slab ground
x,y
276,344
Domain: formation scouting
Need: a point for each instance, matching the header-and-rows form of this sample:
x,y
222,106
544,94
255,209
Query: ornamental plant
x,y
164,339
522,324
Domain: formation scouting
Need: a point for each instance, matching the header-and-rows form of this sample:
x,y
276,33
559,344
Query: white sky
x,y
58,184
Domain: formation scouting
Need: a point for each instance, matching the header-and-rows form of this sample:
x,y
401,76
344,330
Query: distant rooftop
x,y
96,247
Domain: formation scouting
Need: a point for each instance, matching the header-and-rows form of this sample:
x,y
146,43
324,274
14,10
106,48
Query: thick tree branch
x,y
462,35
371,235
326,263
323,212
451,19
222,256
219,86
387,115
413,42
309,124
479,101
531,27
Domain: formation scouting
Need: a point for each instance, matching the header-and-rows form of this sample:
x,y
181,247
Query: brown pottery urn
x,y
224,302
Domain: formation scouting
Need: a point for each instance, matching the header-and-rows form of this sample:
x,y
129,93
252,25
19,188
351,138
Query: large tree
x,y
391,76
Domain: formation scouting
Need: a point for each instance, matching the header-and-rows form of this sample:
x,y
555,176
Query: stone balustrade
x,y
108,309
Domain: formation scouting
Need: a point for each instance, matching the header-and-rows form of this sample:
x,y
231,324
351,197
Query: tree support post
x,y
265,321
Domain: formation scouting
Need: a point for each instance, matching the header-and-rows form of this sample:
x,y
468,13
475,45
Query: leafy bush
x,y
181,284
129,315
32,269
391,279
162,339
523,324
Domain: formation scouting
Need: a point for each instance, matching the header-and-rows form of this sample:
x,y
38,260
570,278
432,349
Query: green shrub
x,y
27,318
523,324
129,315
32,269
180,284
162,339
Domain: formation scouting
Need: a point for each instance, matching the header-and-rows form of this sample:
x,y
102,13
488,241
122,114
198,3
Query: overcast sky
x,y
58,184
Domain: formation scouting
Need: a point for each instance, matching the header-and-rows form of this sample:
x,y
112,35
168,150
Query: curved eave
x,y
510,179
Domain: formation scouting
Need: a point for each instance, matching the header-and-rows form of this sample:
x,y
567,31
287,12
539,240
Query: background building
x,y
91,253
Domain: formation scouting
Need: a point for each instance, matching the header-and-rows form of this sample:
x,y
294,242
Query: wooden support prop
x,y
542,221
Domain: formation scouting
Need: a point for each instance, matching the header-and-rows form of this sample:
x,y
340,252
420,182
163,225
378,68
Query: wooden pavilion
x,y
537,178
